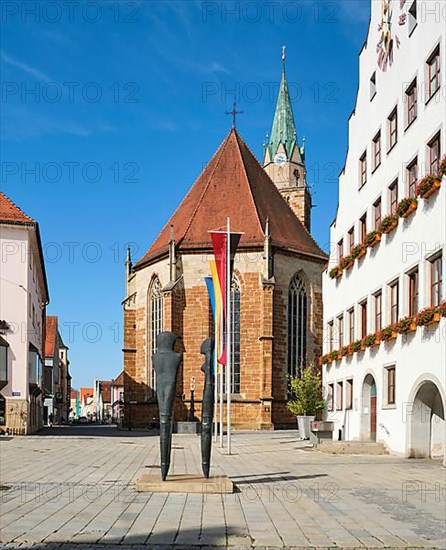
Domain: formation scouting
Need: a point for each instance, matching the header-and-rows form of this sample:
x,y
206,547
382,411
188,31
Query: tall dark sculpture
x,y
207,413
166,363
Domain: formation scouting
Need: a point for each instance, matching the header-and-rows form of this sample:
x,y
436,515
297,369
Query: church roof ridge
x,y
232,178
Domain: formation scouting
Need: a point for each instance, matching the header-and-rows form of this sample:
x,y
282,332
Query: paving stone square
x,y
73,488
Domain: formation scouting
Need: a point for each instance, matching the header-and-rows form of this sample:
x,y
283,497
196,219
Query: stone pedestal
x,y
184,483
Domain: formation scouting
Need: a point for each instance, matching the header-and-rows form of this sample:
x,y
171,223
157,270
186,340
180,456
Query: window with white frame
x,y
376,150
392,129
436,280
411,103
339,396
433,73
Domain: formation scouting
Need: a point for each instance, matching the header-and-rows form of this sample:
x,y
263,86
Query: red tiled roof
x,y
105,390
50,336
86,392
233,184
9,212
73,394
119,381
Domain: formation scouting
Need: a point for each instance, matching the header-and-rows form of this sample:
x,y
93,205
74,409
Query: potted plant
x,y
357,346
335,272
306,400
427,316
324,360
334,355
406,207
358,251
388,333
347,262
428,185
344,351
405,325
388,224
370,340
441,309
372,238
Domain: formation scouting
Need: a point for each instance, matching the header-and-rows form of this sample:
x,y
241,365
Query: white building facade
x,y
23,300
384,362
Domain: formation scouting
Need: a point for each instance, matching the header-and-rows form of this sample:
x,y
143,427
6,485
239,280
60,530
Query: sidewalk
x,y
75,486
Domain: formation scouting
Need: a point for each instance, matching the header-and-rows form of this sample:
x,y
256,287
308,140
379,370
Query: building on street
x,y
23,300
384,289
276,288
117,397
57,379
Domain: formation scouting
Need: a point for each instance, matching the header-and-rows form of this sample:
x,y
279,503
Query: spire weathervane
x,y
283,53
234,113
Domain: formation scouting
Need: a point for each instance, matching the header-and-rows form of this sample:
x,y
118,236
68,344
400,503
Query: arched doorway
x,y
427,423
368,415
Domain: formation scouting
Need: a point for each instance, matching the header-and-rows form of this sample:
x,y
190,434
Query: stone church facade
x,y
276,289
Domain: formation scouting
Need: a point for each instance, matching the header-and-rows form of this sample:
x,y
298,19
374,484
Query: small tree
x,y
306,393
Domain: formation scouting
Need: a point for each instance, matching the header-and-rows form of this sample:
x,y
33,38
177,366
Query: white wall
x,y
414,240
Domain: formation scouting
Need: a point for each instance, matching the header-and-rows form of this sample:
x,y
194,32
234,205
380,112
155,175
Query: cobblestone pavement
x,y
72,488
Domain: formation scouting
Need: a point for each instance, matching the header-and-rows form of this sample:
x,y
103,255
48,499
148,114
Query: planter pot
x,y
304,426
411,209
435,319
362,253
376,241
413,327
435,187
349,266
391,227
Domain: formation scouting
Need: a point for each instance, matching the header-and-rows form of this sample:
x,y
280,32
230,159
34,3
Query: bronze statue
x,y
207,412
166,363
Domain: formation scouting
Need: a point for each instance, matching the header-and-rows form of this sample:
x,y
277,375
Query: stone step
x,y
352,448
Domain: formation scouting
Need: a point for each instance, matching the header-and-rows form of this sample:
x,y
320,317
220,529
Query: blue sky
x,y
111,109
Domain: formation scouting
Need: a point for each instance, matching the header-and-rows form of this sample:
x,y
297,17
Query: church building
x,y
276,288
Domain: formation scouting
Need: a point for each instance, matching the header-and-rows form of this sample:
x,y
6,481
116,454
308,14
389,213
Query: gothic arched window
x,y
235,338
155,316
297,326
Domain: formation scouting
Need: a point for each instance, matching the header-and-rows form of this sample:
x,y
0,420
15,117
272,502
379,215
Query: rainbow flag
x,y
218,312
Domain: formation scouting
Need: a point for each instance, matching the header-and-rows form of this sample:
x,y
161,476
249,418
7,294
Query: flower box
x,y
428,186
407,207
358,251
356,346
344,351
336,272
441,309
405,325
370,340
388,224
427,316
372,239
388,333
334,355
347,263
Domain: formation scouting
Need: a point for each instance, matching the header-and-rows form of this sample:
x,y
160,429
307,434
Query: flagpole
x,y
221,404
228,337
215,382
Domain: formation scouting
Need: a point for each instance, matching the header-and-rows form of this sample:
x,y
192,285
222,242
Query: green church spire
x,y
284,128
